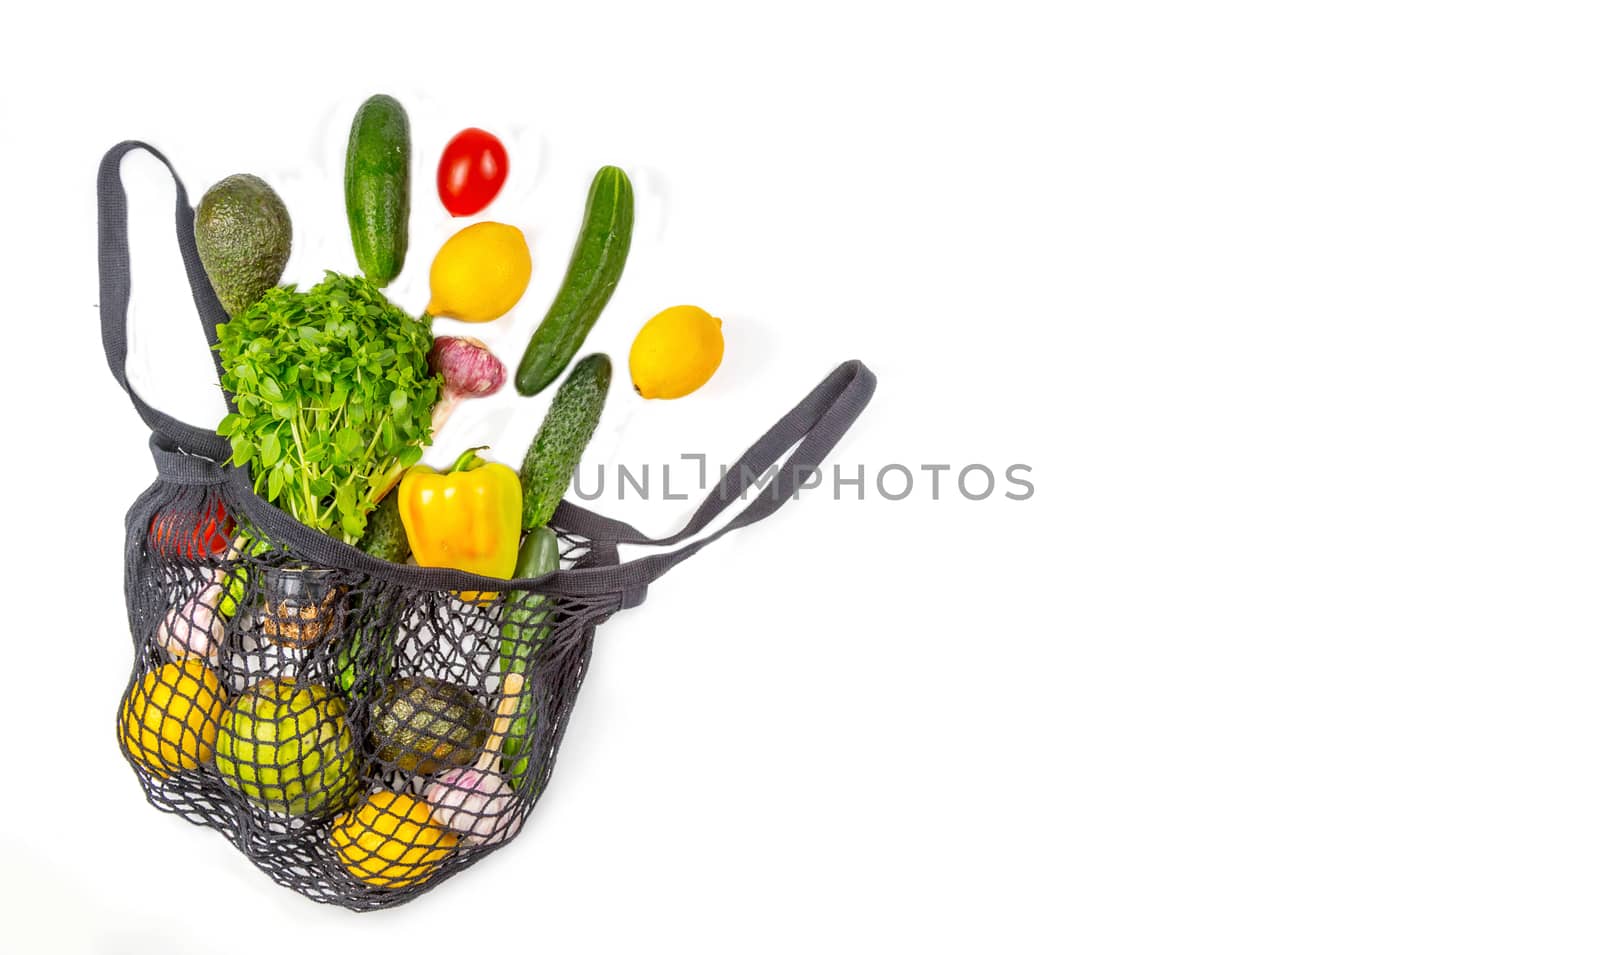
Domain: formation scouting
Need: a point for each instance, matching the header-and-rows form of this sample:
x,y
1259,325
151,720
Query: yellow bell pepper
x,y
468,518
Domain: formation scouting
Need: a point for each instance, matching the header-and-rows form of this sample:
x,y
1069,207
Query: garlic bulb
x,y
469,370
194,628
475,803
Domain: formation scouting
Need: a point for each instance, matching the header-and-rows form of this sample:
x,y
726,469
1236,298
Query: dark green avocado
x,y
423,725
242,231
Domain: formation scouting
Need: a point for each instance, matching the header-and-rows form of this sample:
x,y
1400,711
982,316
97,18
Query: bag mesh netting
x,y
363,730
339,727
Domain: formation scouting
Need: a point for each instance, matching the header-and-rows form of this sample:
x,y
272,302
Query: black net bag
x,y
363,730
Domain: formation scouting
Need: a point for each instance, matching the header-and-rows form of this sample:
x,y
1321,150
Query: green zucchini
x,y
592,275
520,637
377,187
569,424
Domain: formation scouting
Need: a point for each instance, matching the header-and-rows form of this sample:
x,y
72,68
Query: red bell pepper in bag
x,y
192,535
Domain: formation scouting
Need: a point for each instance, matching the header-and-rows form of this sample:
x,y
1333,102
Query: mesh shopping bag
x,y
363,730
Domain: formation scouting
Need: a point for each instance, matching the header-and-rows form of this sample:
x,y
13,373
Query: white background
x,y
1290,308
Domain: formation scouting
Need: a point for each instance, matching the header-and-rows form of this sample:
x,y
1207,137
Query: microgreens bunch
x,y
332,396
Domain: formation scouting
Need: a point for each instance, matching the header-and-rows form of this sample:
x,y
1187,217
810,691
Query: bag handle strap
x,y
816,424
116,287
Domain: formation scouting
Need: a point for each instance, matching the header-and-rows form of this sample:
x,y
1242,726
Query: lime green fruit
x,y
286,747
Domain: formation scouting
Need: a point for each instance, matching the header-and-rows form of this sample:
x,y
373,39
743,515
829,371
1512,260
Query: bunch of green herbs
x,y
332,395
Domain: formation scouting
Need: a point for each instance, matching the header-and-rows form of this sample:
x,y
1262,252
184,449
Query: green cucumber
x,y
370,650
377,187
592,275
569,424
385,537
520,637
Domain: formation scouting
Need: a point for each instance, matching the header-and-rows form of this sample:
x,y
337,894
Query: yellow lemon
x,y
480,273
675,352
390,840
168,721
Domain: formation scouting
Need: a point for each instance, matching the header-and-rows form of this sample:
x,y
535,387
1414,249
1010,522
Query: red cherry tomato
x,y
176,534
471,171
